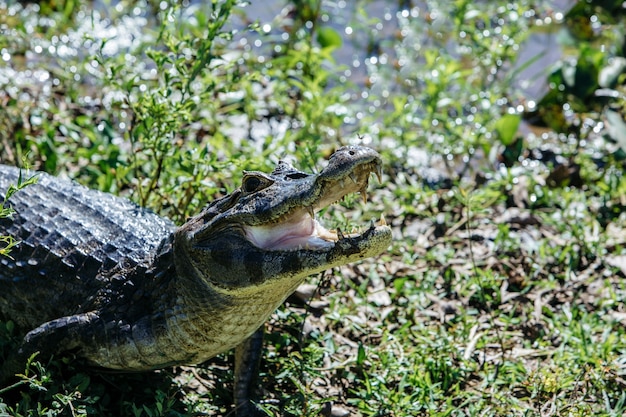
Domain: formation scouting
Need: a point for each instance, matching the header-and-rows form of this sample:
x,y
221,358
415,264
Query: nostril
x,y
297,175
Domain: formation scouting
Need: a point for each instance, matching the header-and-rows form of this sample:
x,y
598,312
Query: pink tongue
x,y
300,242
299,233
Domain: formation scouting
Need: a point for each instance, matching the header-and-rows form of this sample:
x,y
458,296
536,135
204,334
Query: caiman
x,y
125,289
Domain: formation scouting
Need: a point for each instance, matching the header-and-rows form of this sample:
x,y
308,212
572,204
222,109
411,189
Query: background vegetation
x,y
503,292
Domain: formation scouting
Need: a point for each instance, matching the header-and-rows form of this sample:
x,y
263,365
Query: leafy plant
x,y
7,242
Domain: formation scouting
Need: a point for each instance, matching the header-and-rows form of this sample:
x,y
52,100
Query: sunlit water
x,y
380,47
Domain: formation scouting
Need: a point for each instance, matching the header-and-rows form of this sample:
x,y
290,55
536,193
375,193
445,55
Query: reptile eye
x,y
252,183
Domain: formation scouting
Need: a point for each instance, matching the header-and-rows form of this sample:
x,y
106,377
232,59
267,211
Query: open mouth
x,y
300,230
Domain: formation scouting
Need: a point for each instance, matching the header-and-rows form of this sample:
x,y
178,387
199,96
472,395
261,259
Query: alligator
x,y
97,276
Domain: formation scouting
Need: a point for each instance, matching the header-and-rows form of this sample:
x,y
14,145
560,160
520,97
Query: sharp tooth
x,y
311,211
379,172
363,192
372,224
382,220
354,178
341,183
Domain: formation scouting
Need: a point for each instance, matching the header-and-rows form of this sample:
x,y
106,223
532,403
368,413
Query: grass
x,y
503,292
8,242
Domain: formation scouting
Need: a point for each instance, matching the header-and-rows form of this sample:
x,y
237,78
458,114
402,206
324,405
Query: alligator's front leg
x,y
49,339
247,359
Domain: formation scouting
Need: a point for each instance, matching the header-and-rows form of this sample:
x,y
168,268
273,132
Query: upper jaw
x,y
355,180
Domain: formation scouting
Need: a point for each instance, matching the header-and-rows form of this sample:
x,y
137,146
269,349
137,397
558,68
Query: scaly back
x,y
71,240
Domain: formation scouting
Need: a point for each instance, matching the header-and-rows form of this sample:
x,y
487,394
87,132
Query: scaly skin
x,y
126,289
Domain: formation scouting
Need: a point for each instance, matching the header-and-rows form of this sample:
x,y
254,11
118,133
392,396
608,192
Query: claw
x,y
379,172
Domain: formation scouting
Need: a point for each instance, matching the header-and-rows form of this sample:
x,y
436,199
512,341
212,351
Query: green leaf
x,y
329,38
586,74
361,355
507,128
608,76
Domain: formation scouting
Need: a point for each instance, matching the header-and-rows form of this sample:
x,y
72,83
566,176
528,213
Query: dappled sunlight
x,y
501,128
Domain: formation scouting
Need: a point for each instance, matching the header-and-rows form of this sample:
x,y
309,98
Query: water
x,y
371,32
383,56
